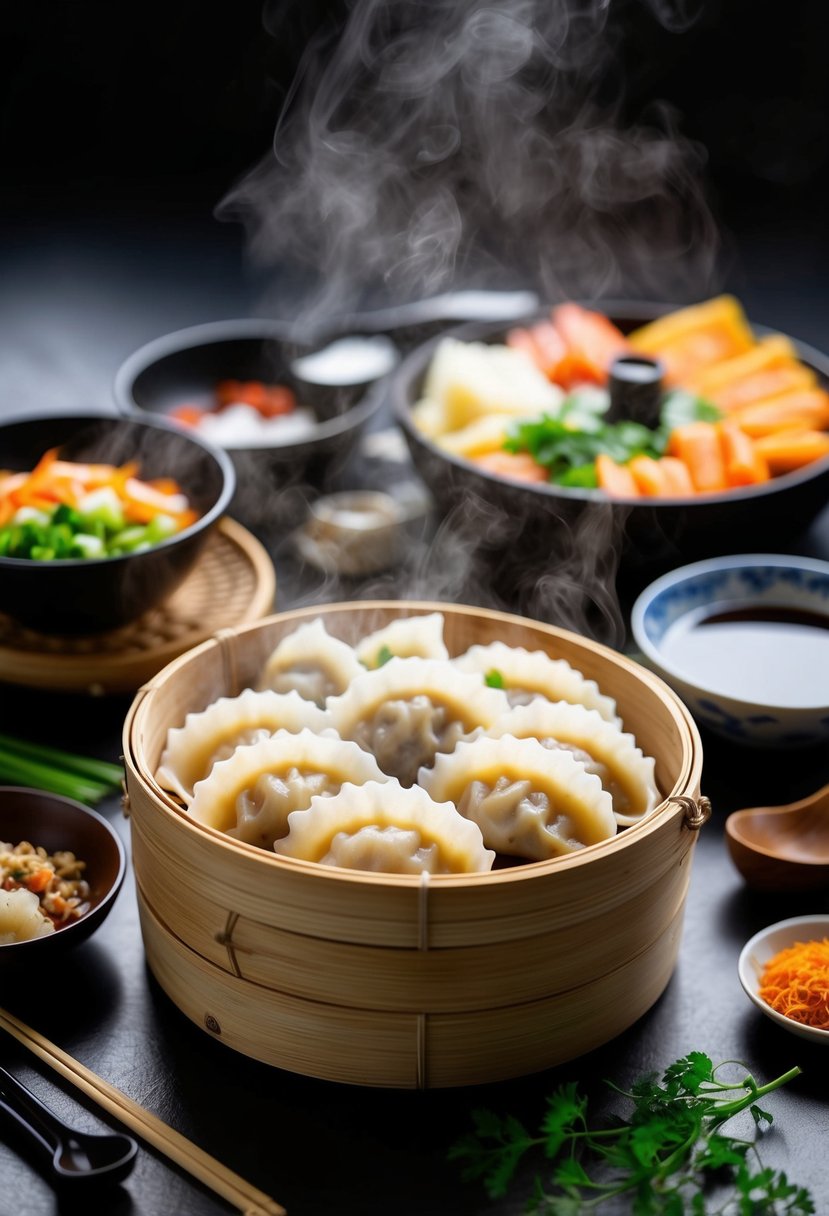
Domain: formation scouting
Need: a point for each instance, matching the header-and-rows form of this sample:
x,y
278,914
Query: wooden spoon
x,y
782,848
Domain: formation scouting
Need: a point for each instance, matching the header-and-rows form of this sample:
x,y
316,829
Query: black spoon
x,y
76,1157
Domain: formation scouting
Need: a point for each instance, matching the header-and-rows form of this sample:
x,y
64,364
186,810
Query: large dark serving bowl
x,y
93,594
548,523
184,367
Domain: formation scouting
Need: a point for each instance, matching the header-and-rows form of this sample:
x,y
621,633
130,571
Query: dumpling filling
x,y
262,811
520,820
406,735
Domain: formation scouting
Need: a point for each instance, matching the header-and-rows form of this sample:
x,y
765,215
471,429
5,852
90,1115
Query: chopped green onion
x,y
383,656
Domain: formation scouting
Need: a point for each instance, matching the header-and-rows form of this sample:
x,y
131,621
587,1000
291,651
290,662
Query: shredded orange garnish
x,y
795,982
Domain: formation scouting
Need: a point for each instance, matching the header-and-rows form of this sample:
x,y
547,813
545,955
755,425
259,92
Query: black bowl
x,y
91,595
184,368
549,524
55,823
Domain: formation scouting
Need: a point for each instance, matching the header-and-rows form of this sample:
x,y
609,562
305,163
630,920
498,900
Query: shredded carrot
x,y
795,982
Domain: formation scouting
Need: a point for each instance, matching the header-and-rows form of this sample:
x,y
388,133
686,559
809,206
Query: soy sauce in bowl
x,y
771,654
744,640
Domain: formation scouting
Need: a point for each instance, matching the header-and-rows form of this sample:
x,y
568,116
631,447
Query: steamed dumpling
x,y
231,722
626,774
407,711
251,795
528,801
419,637
313,663
525,674
386,829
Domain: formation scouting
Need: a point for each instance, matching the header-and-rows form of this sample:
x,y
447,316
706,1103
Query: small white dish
x,y
762,947
752,688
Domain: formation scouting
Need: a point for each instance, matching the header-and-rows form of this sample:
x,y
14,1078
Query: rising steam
x,y
473,143
482,144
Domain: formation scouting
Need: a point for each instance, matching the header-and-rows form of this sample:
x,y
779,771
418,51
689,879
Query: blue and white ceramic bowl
x,y
726,585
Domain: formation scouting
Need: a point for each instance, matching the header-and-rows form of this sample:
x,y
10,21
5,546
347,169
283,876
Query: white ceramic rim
x,y
738,561
749,982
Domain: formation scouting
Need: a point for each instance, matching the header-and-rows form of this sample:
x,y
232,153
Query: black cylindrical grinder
x,y
635,386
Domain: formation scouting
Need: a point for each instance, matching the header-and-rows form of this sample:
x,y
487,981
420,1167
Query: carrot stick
x,y
698,447
615,479
761,386
744,465
803,411
592,342
790,450
518,466
649,476
677,477
550,347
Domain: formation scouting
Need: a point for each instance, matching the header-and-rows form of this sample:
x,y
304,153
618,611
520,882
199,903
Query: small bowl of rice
x,y
61,868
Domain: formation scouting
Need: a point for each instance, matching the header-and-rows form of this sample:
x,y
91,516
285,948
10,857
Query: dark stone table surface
x,y
73,303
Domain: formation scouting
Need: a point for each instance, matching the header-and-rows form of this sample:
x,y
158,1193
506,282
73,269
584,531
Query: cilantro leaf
x,y
662,1159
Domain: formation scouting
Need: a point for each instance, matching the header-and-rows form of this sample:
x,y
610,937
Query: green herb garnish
x,y
567,443
46,768
667,1158
494,679
383,656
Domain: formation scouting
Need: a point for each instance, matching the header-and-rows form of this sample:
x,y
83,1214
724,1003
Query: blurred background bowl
x,y
762,947
71,596
525,520
183,368
758,586
54,823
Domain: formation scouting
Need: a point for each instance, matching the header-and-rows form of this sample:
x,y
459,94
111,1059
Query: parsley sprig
x,y
669,1158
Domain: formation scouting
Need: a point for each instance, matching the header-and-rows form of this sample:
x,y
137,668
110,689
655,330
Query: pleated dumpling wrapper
x,y
410,637
387,829
525,674
528,801
312,662
251,795
407,711
603,749
231,722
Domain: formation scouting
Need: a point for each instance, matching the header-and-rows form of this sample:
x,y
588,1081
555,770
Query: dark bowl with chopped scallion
x,y
85,568
565,523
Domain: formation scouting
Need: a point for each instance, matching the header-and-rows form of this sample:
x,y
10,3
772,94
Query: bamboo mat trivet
x,y
206,1169
232,583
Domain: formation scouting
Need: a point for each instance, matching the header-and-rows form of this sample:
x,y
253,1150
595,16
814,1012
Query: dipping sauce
x,y
765,654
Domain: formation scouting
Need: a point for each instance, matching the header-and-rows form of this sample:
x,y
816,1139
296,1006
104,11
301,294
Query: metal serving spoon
x,y
782,848
76,1157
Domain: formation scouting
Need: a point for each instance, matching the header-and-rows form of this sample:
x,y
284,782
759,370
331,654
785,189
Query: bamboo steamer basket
x,y
400,980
